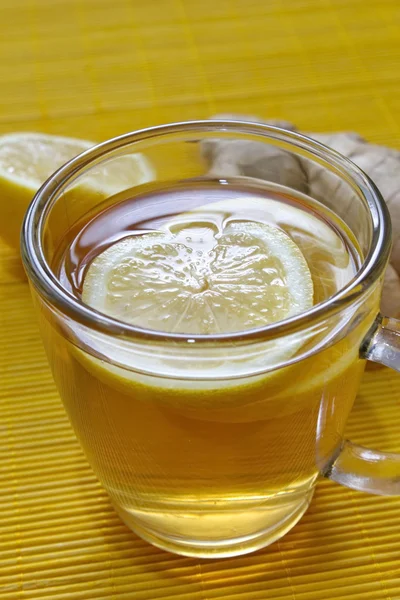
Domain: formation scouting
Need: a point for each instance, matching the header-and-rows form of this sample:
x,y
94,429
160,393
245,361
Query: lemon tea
x,y
214,457
208,336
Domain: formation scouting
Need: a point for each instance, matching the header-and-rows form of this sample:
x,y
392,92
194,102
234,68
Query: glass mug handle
x,y
362,468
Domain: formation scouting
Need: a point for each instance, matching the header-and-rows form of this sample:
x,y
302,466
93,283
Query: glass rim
x,y
48,286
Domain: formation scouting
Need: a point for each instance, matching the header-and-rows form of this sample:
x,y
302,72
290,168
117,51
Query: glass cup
x,y
212,445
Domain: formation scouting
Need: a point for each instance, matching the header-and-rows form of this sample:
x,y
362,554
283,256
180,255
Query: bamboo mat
x,y
97,68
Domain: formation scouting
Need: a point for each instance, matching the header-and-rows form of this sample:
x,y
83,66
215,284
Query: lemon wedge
x,y
196,278
28,159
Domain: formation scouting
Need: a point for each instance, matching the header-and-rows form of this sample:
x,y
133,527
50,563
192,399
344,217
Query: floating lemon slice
x,y
197,278
28,159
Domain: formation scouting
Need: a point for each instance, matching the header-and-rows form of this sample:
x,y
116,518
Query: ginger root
x,y
381,164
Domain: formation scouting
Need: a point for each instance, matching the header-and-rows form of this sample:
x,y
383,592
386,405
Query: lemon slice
x,y
28,159
197,278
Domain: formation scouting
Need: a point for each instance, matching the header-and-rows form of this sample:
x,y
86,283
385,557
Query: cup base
x,y
212,548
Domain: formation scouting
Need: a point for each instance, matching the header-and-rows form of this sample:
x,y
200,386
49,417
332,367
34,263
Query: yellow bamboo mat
x,y
97,68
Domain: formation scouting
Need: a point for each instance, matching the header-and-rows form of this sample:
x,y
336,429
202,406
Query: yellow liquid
x,y
200,463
